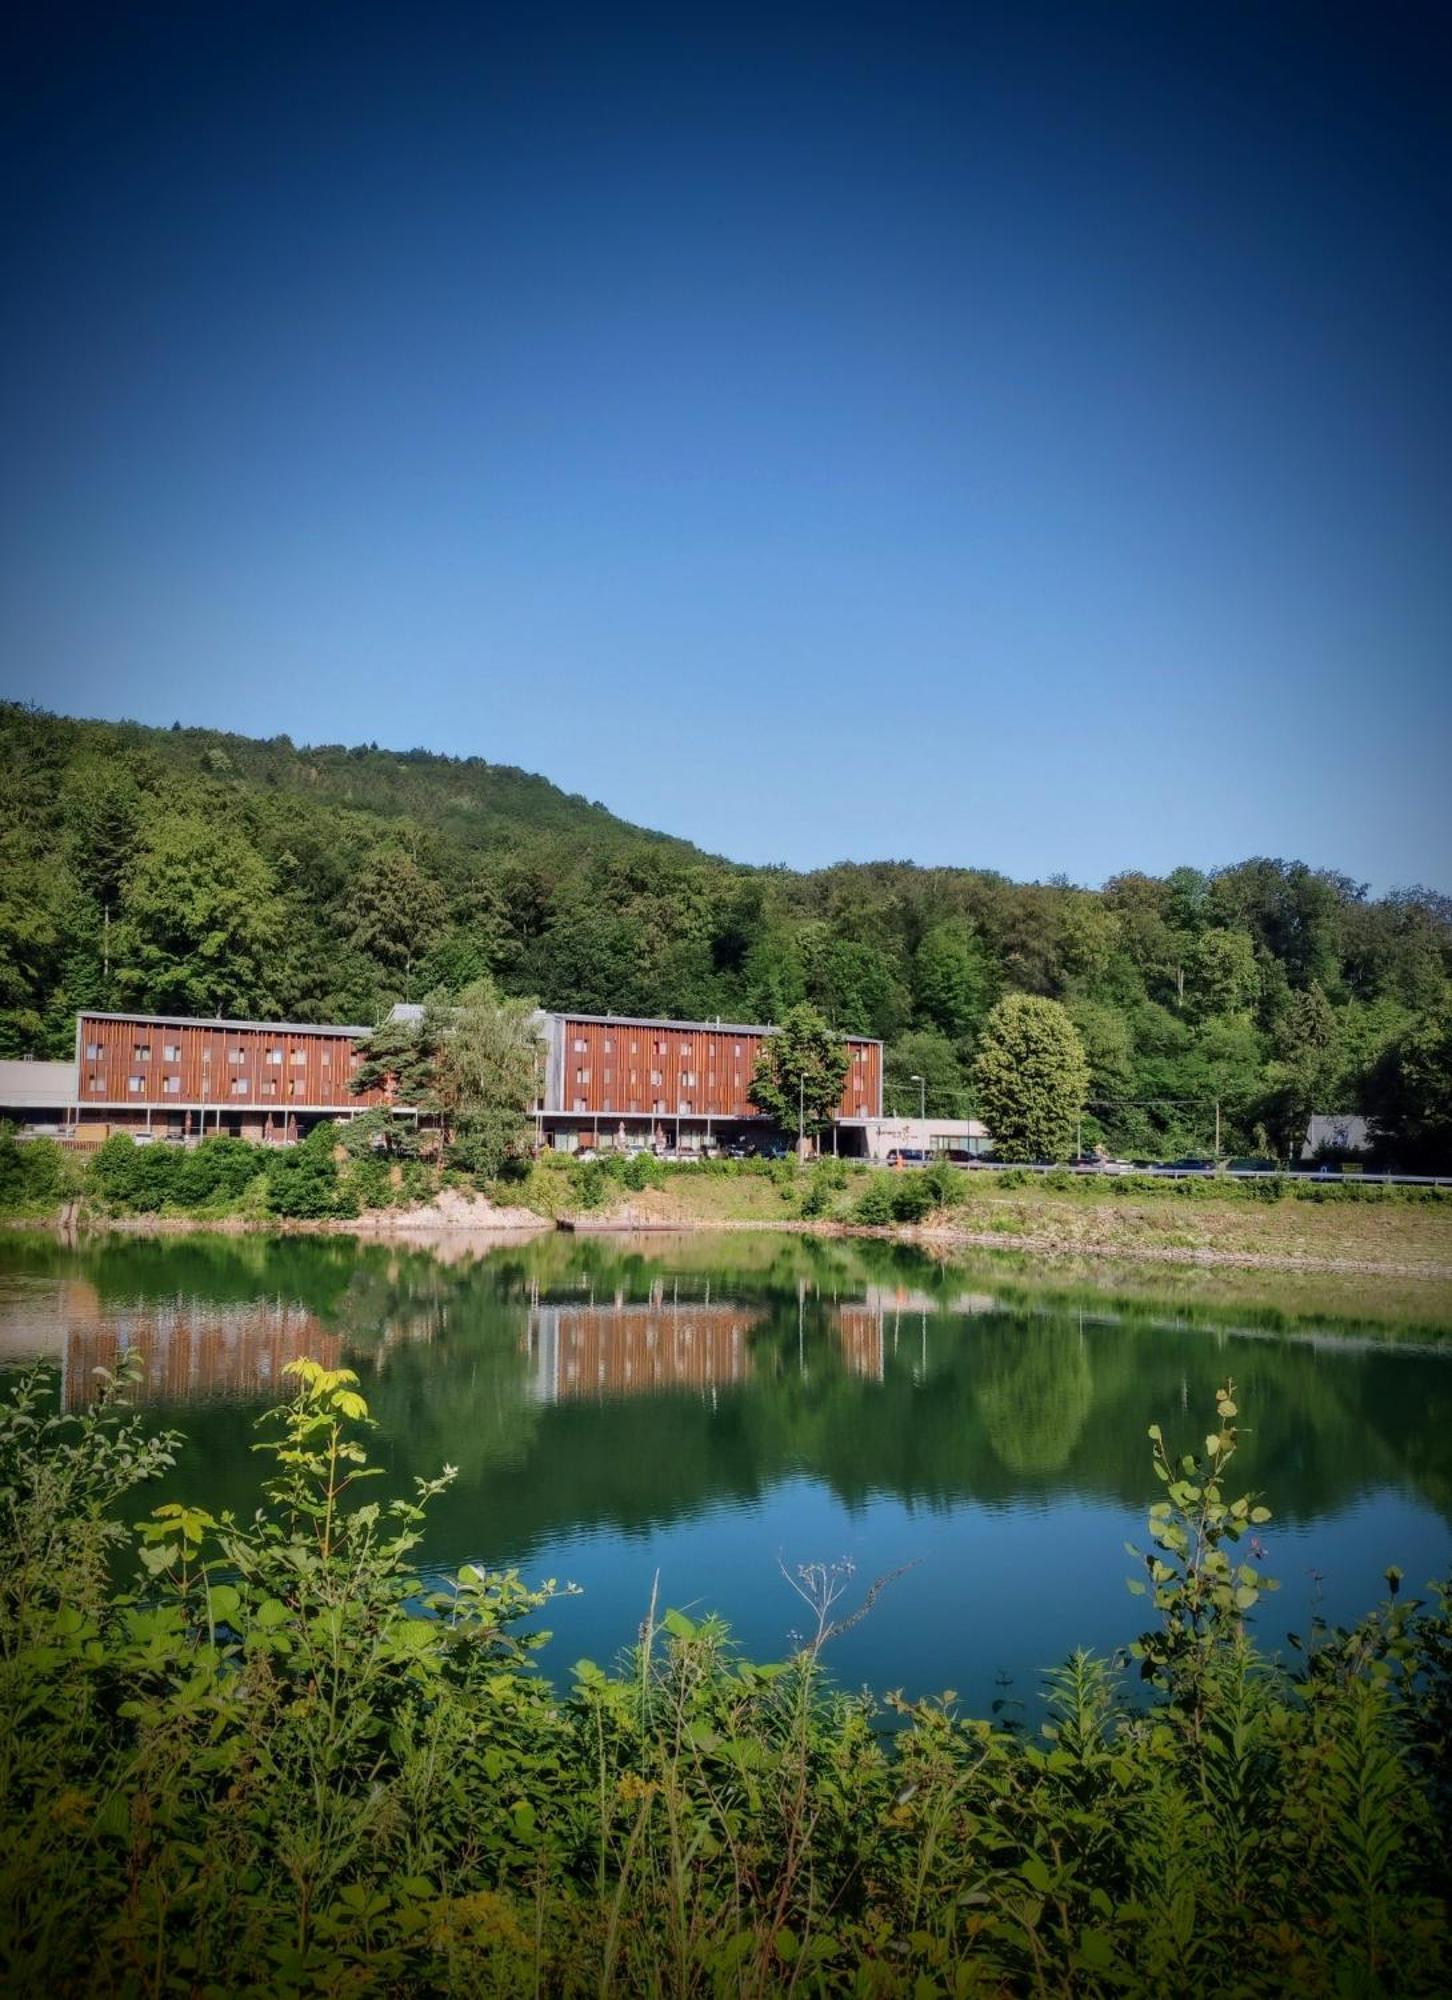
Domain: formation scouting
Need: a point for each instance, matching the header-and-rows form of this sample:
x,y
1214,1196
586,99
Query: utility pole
x,y
801,1114
1217,1131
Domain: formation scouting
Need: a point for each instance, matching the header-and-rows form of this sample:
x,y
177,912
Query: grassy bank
x,y
1288,1223
264,1756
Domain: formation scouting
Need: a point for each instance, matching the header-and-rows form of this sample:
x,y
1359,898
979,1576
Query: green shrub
x,y
911,1196
218,1170
873,1208
303,1183
281,1755
33,1172
136,1179
641,1171
589,1183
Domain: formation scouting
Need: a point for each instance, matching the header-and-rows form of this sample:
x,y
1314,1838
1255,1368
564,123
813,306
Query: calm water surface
x,y
711,1409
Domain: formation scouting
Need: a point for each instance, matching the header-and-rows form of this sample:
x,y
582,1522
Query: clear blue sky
x,y
1013,435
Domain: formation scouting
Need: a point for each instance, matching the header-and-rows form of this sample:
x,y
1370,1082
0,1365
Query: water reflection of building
x,y
861,1332
633,1348
193,1348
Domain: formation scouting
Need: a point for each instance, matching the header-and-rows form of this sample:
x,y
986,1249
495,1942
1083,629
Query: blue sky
x,y
1015,436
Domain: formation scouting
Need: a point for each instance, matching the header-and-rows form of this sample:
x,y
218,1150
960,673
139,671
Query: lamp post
x,y
801,1114
922,1084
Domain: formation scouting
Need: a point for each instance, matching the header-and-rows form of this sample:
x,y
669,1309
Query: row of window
x,y
688,1079
171,1086
607,1046
859,1055
143,1052
660,1106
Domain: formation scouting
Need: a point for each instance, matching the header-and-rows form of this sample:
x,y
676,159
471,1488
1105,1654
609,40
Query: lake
x,y
712,1409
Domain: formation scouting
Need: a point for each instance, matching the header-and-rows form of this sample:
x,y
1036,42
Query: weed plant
x,y
269,1755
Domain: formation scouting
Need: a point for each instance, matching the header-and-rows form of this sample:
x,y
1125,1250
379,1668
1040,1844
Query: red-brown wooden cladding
x,y
285,1069
612,1066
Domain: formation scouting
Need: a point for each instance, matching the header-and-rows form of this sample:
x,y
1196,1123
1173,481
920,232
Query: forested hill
x,y
194,872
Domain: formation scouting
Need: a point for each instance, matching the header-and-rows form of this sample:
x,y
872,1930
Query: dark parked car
x,y
907,1156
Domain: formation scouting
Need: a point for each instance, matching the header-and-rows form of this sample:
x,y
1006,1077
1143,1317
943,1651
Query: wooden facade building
x,y
624,1079
179,1078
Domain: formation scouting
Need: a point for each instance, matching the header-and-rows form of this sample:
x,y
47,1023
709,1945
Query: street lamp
x,y
801,1113
922,1084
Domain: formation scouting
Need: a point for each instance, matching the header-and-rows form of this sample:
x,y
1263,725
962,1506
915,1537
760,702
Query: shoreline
x,y
480,1223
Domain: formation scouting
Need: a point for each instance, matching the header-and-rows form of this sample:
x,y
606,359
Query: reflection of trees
x,y
854,1365
1035,1396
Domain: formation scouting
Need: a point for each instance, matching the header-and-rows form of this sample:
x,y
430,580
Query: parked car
x,y
907,1156
1191,1164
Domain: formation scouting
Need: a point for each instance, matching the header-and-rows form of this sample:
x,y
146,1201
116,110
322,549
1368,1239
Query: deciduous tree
x,y
1032,1077
800,1072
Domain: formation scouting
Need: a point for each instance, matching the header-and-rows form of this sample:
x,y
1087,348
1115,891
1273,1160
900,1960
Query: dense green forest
x,y
195,872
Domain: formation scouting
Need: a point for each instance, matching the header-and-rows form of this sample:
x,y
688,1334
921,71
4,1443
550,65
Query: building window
x,y
326,1059
95,1083
291,1088
234,1055
608,1045
737,1050
579,1045
608,1105
274,1056
660,1048
269,1089
582,1076
688,1078
141,1053
240,1086
684,1108
685,1049
135,1084
206,1055
579,1104
655,1076
171,1052
299,1058
608,1077
93,1051
172,1086
659,1104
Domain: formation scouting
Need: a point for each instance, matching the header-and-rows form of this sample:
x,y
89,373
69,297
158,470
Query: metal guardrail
x,y
1326,1178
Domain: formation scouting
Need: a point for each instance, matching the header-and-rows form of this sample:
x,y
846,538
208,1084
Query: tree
x,y
103,822
395,911
800,1072
200,922
921,1053
1032,1077
1408,1096
1305,1067
488,1078
951,980
30,945
472,1063
1224,978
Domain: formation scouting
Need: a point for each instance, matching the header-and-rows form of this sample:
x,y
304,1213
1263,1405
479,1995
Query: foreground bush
x,y
282,1761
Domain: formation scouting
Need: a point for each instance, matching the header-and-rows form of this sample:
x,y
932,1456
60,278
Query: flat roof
x,y
28,1083
692,1027
208,1021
